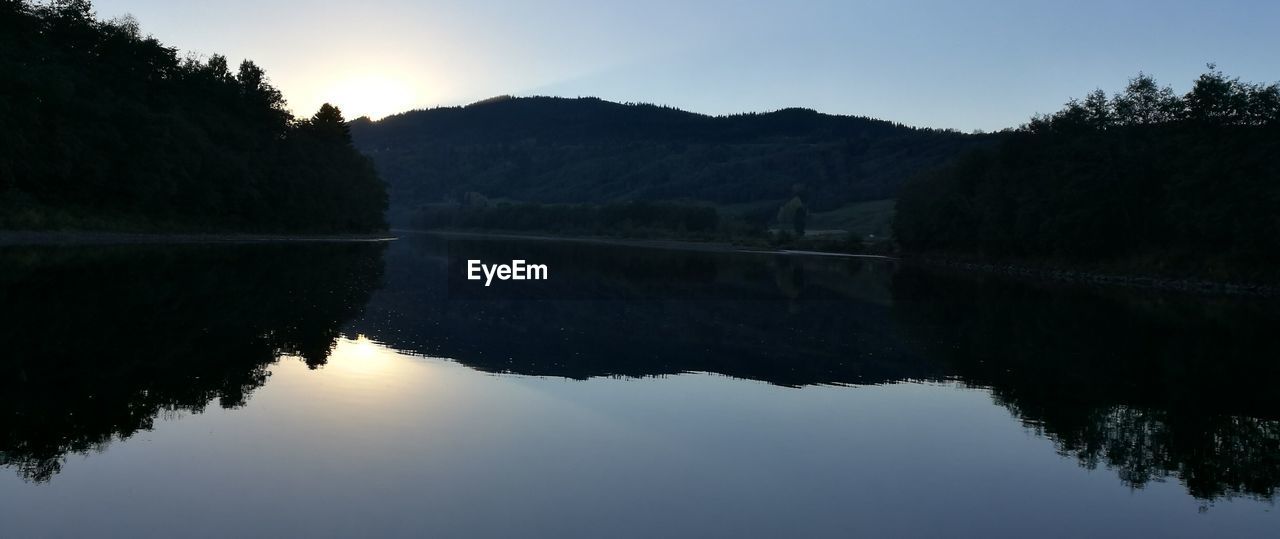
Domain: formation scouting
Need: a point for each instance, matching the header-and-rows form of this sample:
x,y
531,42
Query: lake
x,y
367,389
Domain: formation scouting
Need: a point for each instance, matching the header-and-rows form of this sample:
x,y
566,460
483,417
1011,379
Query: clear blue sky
x,y
960,64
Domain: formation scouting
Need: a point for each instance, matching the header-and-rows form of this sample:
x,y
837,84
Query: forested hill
x,y
1148,179
587,150
101,127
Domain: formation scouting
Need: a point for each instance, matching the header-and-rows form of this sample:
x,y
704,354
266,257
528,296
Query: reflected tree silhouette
x,y
100,341
1150,385
1153,386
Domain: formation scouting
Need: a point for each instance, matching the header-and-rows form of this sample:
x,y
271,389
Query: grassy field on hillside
x,y
864,219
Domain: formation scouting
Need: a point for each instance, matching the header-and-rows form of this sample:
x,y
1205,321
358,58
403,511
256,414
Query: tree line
x,y
623,218
1184,183
107,128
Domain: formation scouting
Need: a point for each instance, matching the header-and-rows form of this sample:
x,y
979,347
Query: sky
x,y
947,64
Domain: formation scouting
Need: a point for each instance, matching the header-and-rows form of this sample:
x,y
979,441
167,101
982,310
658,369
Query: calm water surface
x,y
358,389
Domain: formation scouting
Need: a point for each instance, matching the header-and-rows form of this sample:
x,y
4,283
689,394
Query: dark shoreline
x,y
13,238
711,246
1097,278
76,237
1006,269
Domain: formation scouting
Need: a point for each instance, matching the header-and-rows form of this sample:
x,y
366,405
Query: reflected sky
x,y
377,442
340,390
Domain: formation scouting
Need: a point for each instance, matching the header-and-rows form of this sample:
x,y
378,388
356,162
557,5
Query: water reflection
x,y
1155,387
99,341
649,312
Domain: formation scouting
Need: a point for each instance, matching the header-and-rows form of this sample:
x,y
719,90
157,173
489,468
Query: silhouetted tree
x,y
1144,102
103,127
328,121
1174,184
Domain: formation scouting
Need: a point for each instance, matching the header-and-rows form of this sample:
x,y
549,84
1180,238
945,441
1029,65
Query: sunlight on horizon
x,y
372,95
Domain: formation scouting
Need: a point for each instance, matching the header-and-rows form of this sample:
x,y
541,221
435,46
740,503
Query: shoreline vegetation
x,y
1104,276
1114,276
108,128
1181,188
112,138
12,238
1109,276
649,220
686,244
1120,275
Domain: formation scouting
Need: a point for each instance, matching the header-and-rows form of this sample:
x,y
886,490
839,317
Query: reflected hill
x,y
102,340
1153,386
627,311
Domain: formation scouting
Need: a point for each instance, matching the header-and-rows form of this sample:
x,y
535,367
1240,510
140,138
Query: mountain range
x,y
587,150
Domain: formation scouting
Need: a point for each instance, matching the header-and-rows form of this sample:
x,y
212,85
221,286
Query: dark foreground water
x,y
356,390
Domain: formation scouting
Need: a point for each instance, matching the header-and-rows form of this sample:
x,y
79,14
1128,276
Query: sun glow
x,y
362,358
374,96
362,348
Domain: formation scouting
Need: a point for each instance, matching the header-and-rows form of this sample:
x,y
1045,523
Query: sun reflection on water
x,y
363,357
